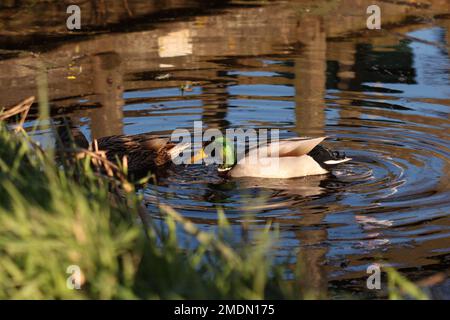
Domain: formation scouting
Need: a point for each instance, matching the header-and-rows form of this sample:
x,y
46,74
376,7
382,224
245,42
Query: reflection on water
x,y
381,98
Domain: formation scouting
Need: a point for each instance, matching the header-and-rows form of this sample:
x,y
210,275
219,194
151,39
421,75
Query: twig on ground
x,y
22,108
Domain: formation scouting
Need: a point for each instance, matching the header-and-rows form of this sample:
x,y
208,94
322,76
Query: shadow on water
x,y
381,96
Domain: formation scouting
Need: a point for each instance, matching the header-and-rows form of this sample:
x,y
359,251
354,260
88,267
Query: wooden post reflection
x,y
108,87
444,183
215,110
310,82
445,24
310,77
345,54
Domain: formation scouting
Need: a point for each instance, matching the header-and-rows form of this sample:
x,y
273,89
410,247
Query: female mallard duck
x,y
144,152
290,158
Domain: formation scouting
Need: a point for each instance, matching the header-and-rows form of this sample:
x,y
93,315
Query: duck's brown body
x,y
144,152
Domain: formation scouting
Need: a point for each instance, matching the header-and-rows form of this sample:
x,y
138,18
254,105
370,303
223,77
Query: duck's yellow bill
x,y
199,156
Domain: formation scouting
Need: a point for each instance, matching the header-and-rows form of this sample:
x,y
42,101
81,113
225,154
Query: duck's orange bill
x,y
199,156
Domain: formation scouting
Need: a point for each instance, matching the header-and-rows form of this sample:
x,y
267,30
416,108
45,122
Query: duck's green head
x,y
228,154
222,150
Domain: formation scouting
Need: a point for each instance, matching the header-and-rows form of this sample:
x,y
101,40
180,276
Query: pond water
x,y
382,97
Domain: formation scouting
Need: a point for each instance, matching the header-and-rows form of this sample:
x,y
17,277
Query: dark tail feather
x,y
68,135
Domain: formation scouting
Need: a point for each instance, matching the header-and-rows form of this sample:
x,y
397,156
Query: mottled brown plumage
x,y
144,152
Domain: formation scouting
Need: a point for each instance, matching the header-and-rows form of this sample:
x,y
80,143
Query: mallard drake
x,y
289,158
144,152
